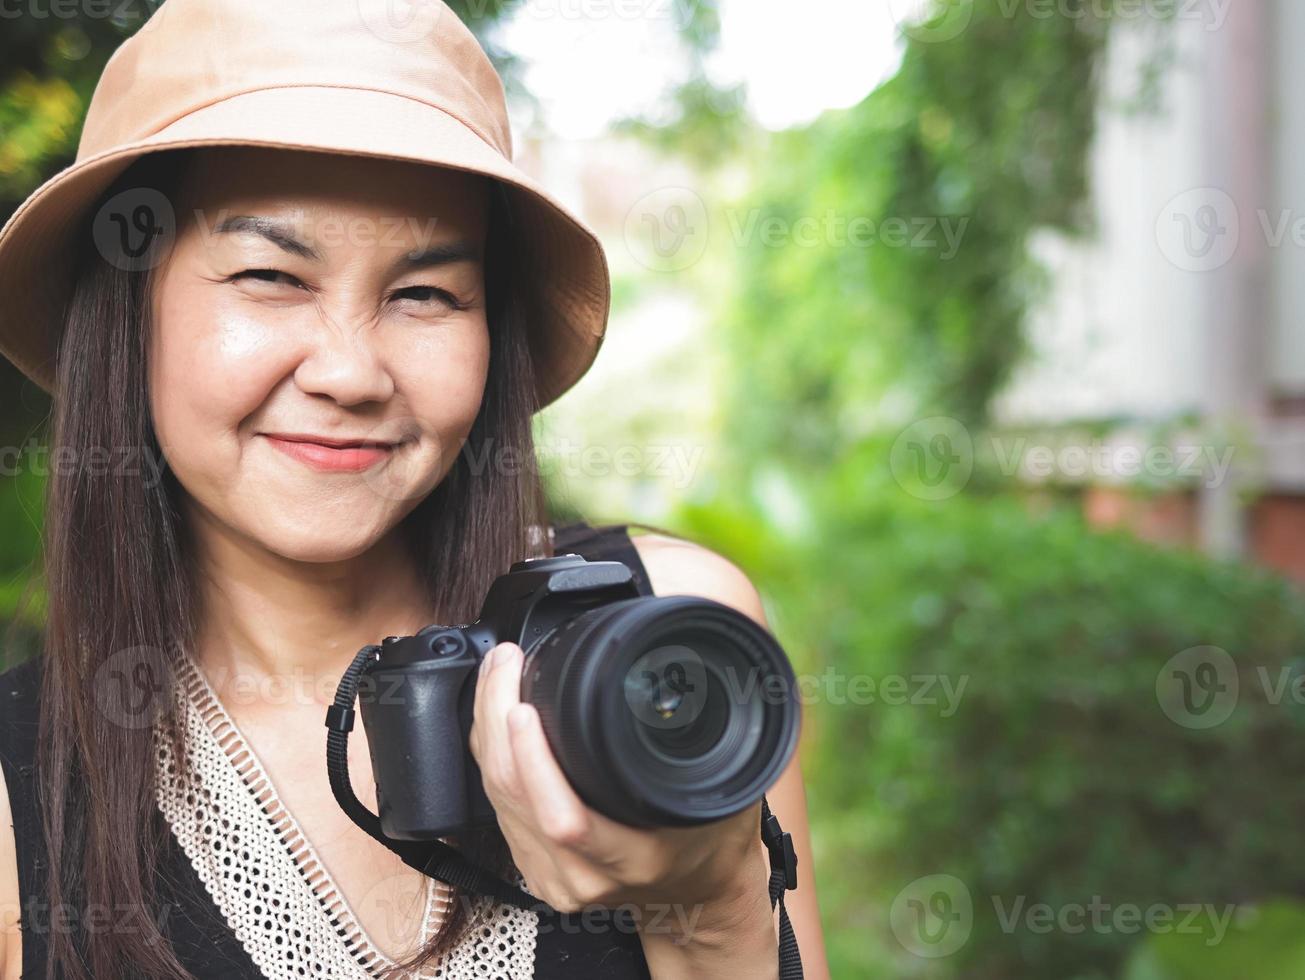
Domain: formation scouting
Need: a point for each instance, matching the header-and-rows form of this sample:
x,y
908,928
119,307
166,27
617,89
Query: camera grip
x,y
422,770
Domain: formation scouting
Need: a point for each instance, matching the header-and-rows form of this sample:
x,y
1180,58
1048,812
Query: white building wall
x,y
1125,329
1287,339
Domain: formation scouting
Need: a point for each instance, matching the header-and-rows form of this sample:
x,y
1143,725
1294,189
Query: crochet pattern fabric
x,y
267,879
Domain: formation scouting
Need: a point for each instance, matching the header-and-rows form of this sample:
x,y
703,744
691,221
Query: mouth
x,y
332,455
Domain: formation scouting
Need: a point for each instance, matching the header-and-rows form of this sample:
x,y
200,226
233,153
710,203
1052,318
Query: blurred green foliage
x,y
21,599
1267,943
978,143
1059,777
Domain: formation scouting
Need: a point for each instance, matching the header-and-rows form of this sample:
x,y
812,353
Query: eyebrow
x,y
279,234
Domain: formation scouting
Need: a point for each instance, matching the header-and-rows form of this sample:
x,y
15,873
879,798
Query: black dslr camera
x,y
661,710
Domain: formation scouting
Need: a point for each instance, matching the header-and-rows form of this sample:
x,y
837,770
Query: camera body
x,y
635,694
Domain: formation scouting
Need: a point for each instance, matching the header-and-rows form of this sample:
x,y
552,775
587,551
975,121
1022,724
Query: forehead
x,y
335,186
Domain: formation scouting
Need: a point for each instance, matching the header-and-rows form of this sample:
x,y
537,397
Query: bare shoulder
x,y
677,566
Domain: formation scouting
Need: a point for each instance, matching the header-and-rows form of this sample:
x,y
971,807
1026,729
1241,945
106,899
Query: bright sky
x,y
592,61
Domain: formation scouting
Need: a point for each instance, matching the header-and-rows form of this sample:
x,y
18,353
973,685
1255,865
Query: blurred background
x,y
971,331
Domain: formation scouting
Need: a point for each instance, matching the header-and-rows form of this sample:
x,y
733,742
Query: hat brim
x,y
563,256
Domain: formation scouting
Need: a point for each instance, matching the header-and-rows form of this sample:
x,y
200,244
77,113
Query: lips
x,y
330,454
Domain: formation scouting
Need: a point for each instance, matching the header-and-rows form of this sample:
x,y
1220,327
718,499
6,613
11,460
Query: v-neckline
x,y
307,861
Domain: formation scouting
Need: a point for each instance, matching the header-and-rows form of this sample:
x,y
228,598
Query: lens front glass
x,y
693,708
679,704
665,710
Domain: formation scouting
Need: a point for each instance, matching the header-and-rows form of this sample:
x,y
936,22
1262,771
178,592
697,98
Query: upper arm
x,y
11,944
679,567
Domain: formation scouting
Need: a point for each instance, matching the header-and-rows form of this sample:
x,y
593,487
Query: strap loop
x,y
783,856
339,719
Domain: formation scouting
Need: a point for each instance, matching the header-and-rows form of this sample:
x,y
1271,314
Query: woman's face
x,y
319,348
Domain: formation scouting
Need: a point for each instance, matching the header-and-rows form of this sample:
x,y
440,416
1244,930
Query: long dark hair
x,y
121,584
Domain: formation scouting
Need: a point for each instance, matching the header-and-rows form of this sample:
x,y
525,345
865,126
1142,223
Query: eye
x,y
423,294
428,294
262,275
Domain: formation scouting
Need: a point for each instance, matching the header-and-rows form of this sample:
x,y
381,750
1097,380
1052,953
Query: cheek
x,y
442,377
211,367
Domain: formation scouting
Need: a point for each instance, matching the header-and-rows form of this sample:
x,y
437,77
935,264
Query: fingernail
x,y
503,653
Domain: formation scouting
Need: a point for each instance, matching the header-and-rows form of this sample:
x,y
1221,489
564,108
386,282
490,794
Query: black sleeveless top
x,y
203,941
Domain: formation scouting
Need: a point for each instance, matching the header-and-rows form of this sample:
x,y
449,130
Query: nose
x,y
343,365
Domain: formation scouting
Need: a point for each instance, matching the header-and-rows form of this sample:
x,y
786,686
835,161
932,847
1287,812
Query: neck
x,y
268,620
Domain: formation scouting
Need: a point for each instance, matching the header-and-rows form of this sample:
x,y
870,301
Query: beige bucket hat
x,y
388,78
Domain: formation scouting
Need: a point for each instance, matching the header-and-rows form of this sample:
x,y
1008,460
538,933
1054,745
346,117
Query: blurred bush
x,y
1267,943
21,599
1060,776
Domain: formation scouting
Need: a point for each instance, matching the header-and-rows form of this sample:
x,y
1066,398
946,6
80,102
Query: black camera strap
x,y
441,861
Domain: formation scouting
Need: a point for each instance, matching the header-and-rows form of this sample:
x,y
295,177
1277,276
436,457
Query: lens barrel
x,y
665,710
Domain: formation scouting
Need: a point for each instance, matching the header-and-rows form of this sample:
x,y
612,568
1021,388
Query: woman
x,y
325,369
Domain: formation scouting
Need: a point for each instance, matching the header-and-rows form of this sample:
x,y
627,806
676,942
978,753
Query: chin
x,y
318,550
320,540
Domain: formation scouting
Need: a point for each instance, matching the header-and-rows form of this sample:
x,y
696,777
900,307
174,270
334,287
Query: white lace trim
x,y
267,879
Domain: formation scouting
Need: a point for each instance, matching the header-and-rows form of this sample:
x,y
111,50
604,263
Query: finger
x,y
478,711
558,812
497,691
475,738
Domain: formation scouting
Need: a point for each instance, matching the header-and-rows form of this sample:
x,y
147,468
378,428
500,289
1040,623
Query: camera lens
x,y
665,710
679,718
